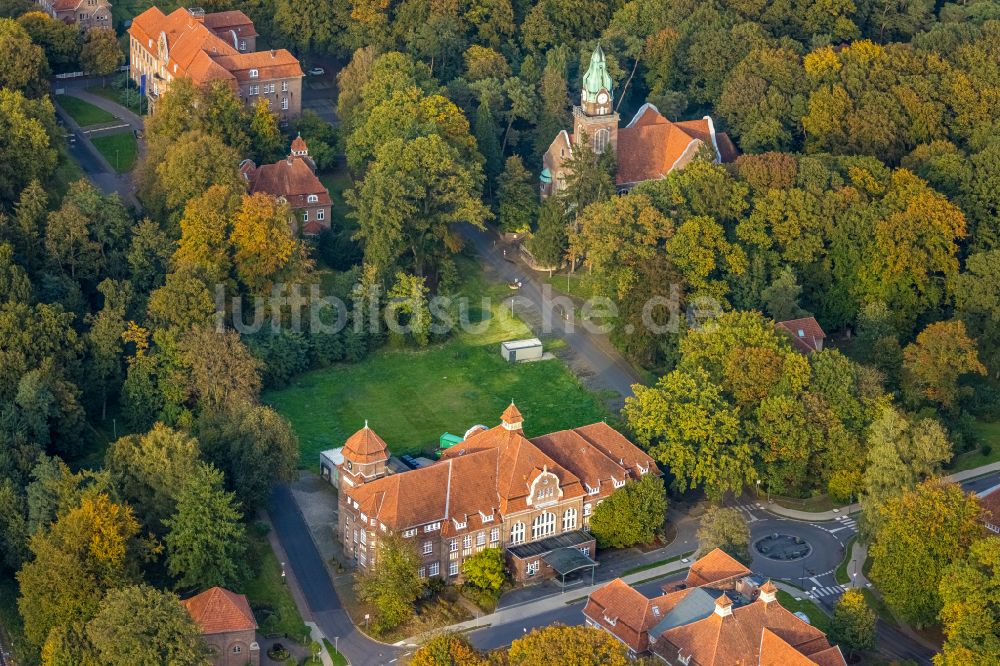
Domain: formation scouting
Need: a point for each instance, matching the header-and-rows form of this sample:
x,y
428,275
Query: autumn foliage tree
x,y
936,361
581,645
909,563
392,583
448,649
970,594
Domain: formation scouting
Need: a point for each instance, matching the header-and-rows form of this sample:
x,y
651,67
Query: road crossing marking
x,y
827,591
747,510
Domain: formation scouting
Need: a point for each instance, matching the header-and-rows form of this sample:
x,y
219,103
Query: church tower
x,y
595,117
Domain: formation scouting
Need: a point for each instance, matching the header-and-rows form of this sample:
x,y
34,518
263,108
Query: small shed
x,y
329,465
448,440
529,349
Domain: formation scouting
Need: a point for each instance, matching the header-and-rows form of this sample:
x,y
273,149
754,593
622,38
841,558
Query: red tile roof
x,y
365,446
512,415
234,20
627,614
194,50
492,470
218,611
806,333
291,178
650,146
736,639
990,504
715,568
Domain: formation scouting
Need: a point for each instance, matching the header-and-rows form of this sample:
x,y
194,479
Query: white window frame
x,y
254,74
467,542
284,86
243,45
428,547
517,533
453,569
543,525
321,215
284,103
254,90
430,527
453,546
422,572
480,539
434,569
569,519
305,216
495,535
313,198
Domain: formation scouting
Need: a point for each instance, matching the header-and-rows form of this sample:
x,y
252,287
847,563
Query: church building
x,y
647,148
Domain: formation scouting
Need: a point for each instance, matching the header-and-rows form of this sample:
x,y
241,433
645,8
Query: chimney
x,y
274,53
197,13
723,606
768,592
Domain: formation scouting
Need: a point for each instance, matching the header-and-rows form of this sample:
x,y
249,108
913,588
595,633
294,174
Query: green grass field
x,y
337,181
817,617
127,97
120,150
84,113
268,591
989,435
410,397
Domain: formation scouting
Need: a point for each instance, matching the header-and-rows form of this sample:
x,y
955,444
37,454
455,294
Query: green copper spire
x,y
597,77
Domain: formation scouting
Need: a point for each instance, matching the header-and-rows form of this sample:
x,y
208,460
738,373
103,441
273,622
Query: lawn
x,y
410,397
126,96
337,658
817,617
84,113
337,181
269,595
120,150
989,436
842,575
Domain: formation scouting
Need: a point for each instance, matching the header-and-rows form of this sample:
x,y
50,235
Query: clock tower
x,y
595,117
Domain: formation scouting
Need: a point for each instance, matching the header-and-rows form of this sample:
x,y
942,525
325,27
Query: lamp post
x,y
282,572
758,488
366,621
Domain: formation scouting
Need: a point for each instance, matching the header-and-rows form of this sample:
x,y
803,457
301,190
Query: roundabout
x,y
793,551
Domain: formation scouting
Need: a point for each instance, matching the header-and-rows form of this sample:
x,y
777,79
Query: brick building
x,y
208,48
649,147
496,489
719,616
227,626
294,181
86,14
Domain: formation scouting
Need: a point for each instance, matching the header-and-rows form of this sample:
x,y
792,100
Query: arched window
x,y
569,520
517,533
543,525
601,139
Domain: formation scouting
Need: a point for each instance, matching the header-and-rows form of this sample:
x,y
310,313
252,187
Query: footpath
x,y
519,612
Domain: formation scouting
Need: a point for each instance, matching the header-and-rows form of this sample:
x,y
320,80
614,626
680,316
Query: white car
x,y
317,71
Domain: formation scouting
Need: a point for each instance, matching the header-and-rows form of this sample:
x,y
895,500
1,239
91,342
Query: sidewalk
x,y
553,602
814,516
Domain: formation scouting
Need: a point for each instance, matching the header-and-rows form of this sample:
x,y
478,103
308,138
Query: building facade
x,y
209,48
649,147
227,626
495,489
293,180
86,14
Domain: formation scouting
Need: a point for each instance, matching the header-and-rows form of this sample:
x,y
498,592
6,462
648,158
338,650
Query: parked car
x,y
317,71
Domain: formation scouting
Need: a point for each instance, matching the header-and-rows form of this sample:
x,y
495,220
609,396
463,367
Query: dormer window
x,y
486,518
254,73
591,490
611,620
459,525
313,198
618,484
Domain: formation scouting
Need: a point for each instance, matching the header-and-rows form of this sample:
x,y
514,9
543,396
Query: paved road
x,y
609,369
307,566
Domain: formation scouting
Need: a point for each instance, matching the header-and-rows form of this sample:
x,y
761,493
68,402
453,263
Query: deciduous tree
x,y
23,68
723,527
582,645
392,583
486,570
517,197
853,624
101,54
970,594
909,563
142,625
205,537
934,363
634,514
450,649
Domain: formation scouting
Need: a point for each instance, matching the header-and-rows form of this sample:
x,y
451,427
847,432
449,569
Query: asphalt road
x,y
314,580
609,369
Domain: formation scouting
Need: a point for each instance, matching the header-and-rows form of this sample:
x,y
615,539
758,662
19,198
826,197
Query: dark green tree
x,y
632,515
